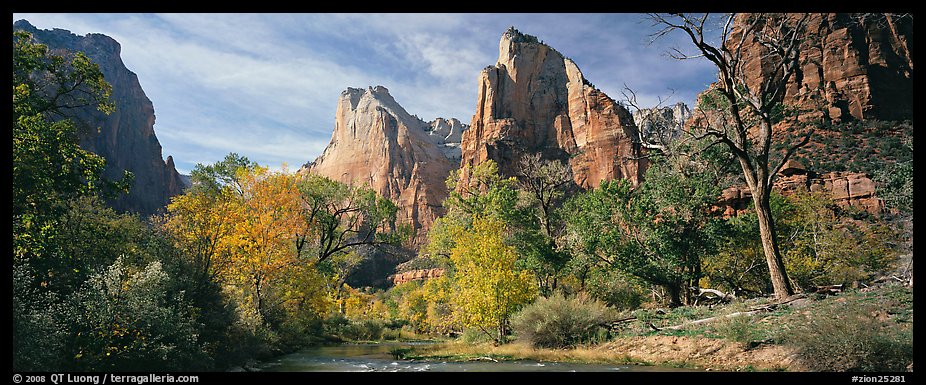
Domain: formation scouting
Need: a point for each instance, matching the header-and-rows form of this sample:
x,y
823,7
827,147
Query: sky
x,y
266,85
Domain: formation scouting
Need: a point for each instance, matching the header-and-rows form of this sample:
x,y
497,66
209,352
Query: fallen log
x,y
710,296
616,324
755,310
829,289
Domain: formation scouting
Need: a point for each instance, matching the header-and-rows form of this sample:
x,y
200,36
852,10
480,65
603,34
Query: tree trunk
x,y
776,266
260,300
501,333
675,295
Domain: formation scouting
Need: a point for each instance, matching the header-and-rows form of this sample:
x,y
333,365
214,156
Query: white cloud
x,y
266,85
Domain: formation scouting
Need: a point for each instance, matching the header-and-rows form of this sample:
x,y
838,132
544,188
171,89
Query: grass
x,y
882,321
460,351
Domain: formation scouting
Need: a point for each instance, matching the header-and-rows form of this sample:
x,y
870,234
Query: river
x,y
377,358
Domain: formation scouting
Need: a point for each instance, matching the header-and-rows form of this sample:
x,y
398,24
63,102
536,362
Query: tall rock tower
x,y
376,142
535,100
126,137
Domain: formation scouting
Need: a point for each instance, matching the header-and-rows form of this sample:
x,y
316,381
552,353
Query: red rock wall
x,y
534,100
416,275
848,189
858,66
125,138
377,143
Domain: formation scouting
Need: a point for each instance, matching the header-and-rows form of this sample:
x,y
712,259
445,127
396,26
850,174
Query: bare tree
x,y
743,106
546,181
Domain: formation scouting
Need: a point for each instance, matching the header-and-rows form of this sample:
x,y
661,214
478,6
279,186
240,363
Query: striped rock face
x,y
534,100
377,143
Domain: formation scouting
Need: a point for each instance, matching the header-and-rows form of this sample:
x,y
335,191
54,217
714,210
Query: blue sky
x,y
266,85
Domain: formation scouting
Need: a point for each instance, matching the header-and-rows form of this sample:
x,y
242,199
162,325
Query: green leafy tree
x,y
480,191
49,167
740,111
337,217
543,185
739,265
212,179
659,232
826,246
895,183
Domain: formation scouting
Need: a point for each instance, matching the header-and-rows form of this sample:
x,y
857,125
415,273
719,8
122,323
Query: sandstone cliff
x,y
416,275
852,67
534,100
662,123
857,65
126,137
447,134
848,189
376,142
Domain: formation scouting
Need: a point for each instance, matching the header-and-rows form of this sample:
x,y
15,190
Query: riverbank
x,y
381,357
667,351
857,330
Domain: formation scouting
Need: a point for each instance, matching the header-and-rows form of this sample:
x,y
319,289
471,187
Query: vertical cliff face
x,y
673,117
376,142
850,67
856,65
534,100
125,138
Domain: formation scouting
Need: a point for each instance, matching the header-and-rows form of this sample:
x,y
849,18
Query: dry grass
x,y
668,351
770,341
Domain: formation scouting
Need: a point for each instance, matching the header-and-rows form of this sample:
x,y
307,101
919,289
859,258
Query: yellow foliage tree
x,y
489,287
358,306
438,294
263,237
201,225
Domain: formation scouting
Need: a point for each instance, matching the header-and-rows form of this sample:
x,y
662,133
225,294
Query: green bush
x,y
846,338
741,329
474,336
368,330
616,291
559,322
38,334
124,321
364,330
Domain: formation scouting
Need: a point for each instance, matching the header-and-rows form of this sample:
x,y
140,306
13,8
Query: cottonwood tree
x,y
474,191
543,185
49,167
202,220
741,109
267,217
658,232
337,217
489,286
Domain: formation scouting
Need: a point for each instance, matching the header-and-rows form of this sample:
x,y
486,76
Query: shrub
x,y
368,330
616,291
741,329
474,336
852,338
364,330
558,322
125,321
38,335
